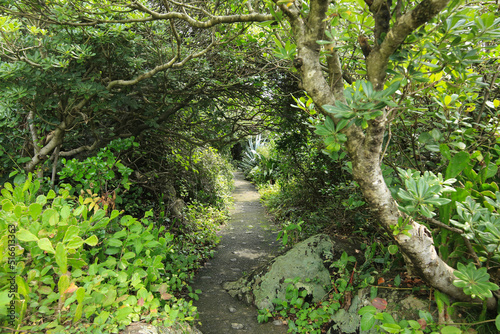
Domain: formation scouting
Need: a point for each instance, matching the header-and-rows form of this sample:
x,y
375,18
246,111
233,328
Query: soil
x,y
247,241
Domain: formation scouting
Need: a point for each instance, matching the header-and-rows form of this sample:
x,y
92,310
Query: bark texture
x,y
365,147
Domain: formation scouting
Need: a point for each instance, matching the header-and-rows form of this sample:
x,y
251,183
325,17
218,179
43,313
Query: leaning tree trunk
x,y
365,147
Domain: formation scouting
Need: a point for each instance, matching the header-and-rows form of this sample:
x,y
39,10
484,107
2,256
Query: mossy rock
x,y
304,262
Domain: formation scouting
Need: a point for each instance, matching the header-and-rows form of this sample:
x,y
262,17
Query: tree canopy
x,y
388,85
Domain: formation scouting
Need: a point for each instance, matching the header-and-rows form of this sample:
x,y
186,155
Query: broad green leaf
x,y
78,313
7,205
128,255
457,164
114,214
51,194
101,318
46,245
391,328
367,309
74,243
447,100
445,151
492,170
367,321
451,330
114,242
35,209
63,284
329,124
50,217
124,312
71,232
91,241
389,91
25,235
61,257
22,286
65,212
110,297
80,294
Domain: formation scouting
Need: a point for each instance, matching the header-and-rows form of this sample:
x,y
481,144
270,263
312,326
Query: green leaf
x,y
457,164
128,255
474,281
497,322
114,213
74,243
71,232
50,217
91,241
367,321
447,100
46,245
22,286
7,204
35,209
123,313
101,318
25,235
63,284
80,294
322,131
114,242
367,309
451,330
78,312
329,124
445,151
61,257
389,91
391,328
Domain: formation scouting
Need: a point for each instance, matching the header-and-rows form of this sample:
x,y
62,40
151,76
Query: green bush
x,y
79,270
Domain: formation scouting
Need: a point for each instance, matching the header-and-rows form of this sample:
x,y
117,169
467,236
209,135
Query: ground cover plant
x,y
83,269
384,105
74,261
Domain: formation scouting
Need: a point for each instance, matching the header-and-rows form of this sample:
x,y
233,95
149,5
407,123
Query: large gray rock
x,y
304,261
141,328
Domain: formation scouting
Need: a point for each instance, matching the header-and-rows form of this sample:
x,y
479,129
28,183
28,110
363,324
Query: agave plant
x,y
251,157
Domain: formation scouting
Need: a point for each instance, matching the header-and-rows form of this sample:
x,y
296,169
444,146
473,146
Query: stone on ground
x,y
305,261
141,328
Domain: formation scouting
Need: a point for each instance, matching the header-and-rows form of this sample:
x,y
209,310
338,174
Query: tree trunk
x,y
365,147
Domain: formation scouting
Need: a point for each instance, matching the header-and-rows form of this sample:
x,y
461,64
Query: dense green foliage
x,y
83,268
116,126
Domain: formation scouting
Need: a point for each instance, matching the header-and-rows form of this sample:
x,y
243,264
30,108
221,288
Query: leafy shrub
x,y
214,178
103,174
82,270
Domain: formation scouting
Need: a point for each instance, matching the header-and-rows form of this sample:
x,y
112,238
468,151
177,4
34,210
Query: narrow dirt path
x,y
248,240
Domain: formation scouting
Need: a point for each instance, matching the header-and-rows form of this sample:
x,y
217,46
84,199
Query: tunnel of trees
x,y
121,122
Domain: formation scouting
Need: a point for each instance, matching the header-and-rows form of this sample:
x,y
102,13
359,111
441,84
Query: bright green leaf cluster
x,y
474,281
363,103
423,193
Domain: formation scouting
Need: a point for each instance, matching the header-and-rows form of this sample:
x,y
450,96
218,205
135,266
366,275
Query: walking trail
x,y
247,241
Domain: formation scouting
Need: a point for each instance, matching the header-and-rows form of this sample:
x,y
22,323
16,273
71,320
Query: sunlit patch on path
x,y
248,240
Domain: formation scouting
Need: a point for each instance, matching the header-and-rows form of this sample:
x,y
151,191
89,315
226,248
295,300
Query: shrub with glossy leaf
x,y
474,281
79,271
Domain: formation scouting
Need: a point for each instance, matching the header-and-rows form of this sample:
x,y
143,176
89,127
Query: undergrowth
x,y
73,265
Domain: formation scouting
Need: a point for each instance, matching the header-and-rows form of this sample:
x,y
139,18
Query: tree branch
x,y
404,26
171,64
